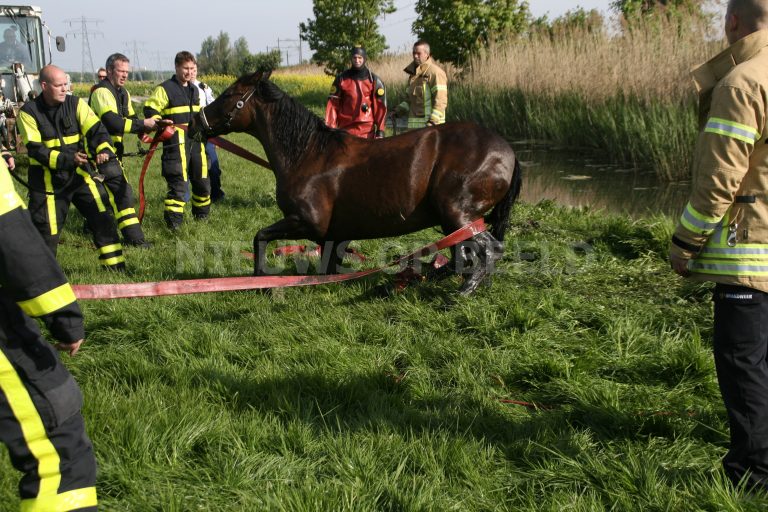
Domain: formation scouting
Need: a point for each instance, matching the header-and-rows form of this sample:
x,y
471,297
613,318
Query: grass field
x,y
356,397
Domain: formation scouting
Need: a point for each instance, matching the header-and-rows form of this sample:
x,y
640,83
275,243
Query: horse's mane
x,y
296,128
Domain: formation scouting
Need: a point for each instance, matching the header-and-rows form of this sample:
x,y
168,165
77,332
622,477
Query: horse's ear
x,y
267,74
255,77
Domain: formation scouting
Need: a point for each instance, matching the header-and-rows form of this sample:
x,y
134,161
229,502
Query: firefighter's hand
x,y
679,265
9,160
70,348
150,124
81,158
102,158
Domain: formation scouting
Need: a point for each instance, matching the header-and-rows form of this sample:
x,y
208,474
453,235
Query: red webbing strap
x,y
144,167
237,150
188,286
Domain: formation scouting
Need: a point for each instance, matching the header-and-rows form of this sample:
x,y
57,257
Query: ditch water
x,y
574,180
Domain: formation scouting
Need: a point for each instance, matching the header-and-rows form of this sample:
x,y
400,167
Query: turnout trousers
x,y
49,212
741,349
41,424
188,162
214,171
122,202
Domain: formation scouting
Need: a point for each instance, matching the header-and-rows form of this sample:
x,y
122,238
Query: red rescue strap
x,y
144,167
237,150
188,286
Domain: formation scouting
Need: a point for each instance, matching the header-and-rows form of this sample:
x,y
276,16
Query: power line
x,y
134,46
85,36
399,21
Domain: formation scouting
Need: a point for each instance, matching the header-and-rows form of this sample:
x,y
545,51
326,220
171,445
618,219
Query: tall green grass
x,y
357,397
622,128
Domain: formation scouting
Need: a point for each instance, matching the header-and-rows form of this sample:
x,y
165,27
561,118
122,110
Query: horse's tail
x,y
499,216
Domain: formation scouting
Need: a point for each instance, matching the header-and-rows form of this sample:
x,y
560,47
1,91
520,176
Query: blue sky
x,y
153,31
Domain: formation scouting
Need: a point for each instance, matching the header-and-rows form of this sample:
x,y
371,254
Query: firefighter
x,y
101,74
177,100
358,102
62,135
40,419
722,235
427,90
111,101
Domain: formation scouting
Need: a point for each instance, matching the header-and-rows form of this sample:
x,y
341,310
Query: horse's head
x,y
232,110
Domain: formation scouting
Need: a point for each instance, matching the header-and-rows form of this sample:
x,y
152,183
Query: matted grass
x,y
356,397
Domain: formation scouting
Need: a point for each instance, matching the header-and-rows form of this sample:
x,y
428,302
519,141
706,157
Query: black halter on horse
x,y
229,117
333,187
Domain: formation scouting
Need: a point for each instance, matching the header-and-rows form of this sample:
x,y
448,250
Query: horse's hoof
x,y
468,288
472,283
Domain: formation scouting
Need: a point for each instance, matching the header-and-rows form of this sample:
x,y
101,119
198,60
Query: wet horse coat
x,y
334,187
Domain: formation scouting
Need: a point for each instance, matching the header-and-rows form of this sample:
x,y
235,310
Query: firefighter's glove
x,y
679,259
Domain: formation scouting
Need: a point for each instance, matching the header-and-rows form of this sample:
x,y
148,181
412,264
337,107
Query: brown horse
x,y
333,187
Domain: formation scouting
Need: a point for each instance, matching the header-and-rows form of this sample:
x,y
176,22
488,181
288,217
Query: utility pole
x,y
85,35
133,45
290,47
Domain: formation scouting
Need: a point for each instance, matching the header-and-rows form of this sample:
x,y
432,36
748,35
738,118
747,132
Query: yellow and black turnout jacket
x,y
29,274
171,100
115,109
53,135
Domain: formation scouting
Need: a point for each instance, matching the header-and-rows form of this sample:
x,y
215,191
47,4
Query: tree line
x,y
455,29
221,56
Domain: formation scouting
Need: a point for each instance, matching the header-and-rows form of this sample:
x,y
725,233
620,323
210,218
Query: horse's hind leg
x,y
289,228
485,251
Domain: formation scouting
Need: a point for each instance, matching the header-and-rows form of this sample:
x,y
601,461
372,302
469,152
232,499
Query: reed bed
x,y
627,96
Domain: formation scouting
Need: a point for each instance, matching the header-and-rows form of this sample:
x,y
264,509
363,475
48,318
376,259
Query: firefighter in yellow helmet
x,y
427,92
40,419
722,235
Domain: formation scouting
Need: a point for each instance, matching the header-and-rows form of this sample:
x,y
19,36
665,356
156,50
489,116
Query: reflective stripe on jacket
x,y
724,227
427,94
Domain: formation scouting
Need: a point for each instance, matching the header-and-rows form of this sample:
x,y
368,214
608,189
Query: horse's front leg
x,y
289,228
332,257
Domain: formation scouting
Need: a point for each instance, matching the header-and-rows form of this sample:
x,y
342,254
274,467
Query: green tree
x,y
634,10
573,21
261,62
341,24
239,54
206,55
218,56
455,29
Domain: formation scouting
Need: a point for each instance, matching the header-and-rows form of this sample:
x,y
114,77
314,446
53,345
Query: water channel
x,y
574,180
